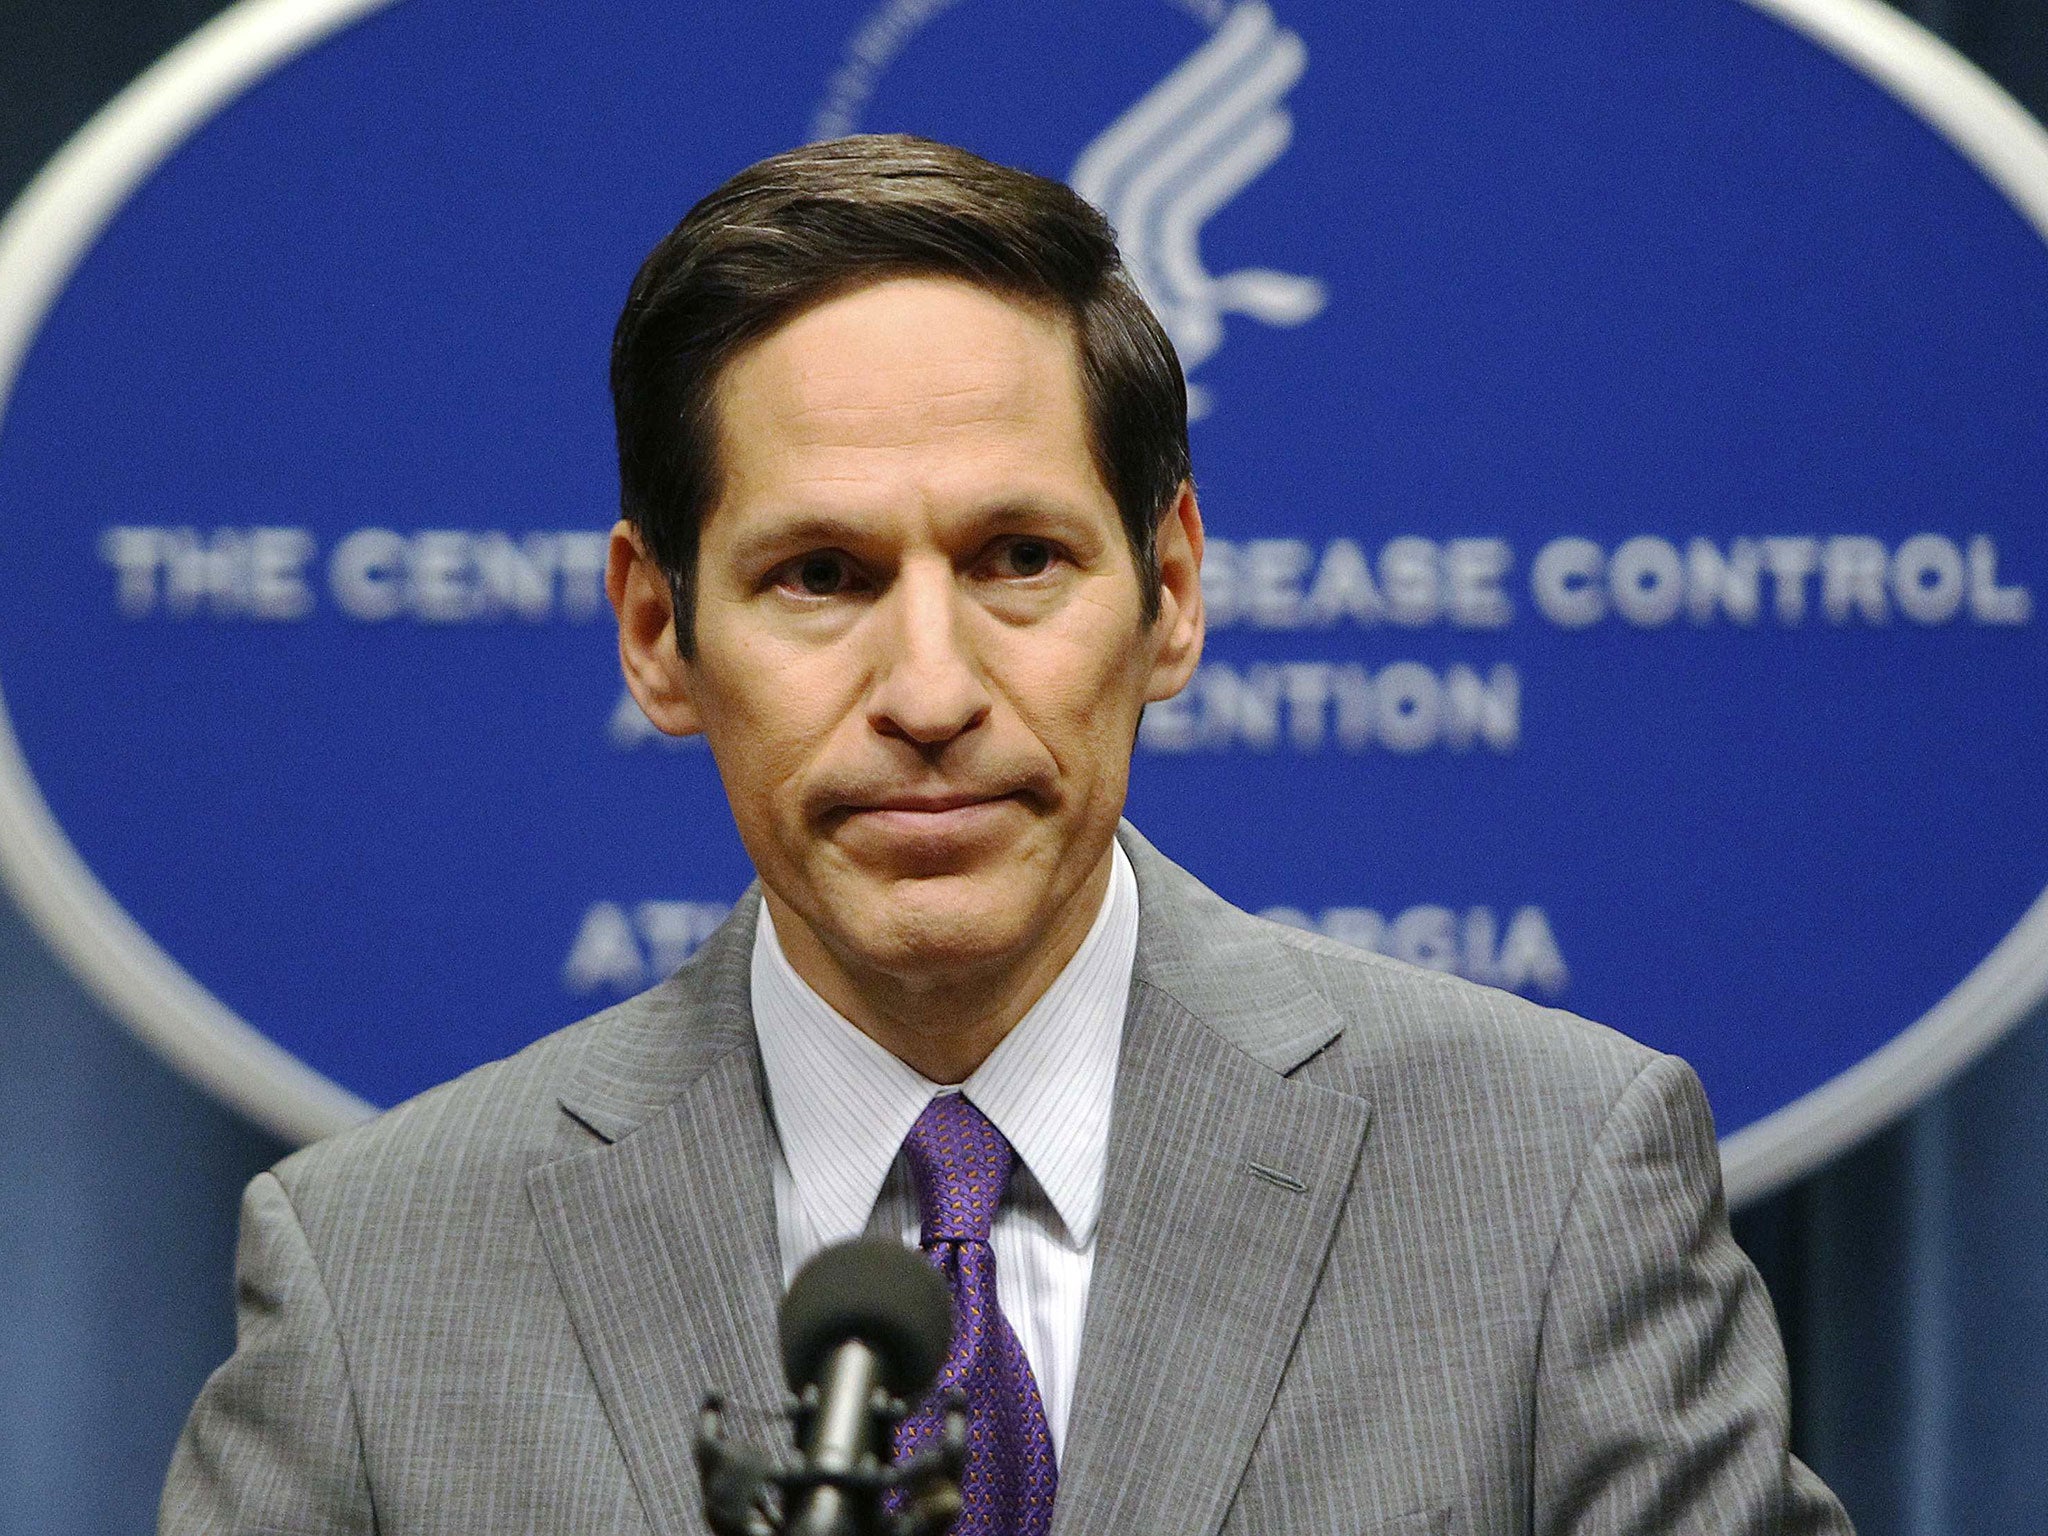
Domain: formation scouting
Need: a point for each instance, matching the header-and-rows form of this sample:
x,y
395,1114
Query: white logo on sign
x,y
1184,150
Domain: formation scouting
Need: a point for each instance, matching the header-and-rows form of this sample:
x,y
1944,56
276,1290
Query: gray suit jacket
x,y
1380,1252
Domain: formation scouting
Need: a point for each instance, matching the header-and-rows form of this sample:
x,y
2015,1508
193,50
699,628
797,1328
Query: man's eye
x,y
820,575
1024,557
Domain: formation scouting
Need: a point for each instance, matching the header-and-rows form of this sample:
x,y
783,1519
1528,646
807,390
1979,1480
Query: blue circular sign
x,y
1618,429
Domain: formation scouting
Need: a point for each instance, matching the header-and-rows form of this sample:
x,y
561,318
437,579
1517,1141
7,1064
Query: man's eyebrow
x,y
1030,511
802,531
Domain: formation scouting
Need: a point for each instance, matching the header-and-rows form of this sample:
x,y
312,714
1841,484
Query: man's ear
x,y
1179,629
655,670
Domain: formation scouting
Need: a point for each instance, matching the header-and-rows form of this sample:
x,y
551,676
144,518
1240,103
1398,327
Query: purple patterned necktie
x,y
962,1163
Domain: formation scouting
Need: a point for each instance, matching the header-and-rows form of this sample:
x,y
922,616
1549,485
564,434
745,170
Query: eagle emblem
x,y
1184,150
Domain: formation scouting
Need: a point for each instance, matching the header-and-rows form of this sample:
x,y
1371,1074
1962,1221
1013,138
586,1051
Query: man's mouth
x,y
931,817
932,802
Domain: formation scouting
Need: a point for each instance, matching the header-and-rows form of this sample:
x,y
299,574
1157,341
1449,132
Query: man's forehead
x,y
900,359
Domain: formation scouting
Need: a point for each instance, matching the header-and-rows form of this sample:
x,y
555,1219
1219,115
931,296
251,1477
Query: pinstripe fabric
x,y
842,1106
1379,1251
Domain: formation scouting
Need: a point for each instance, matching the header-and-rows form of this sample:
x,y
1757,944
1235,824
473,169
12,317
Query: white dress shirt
x,y
842,1106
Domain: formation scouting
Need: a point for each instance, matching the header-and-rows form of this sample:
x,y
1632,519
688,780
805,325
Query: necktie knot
x,y
962,1165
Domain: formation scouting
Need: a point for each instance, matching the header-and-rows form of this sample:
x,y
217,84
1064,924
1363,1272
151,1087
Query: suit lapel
x,y
1223,1188
663,1241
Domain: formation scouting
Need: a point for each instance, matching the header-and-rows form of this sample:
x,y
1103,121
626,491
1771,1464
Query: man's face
x,y
920,652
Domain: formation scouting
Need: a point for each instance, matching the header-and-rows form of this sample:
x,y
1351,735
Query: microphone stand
x,y
836,1486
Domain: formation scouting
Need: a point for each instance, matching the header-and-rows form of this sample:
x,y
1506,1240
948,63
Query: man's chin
x,y
947,925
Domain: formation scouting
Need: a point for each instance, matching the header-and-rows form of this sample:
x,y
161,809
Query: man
x,y
1250,1231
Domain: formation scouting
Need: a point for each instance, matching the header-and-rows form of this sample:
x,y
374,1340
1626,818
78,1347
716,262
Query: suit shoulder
x,y
1438,1002
1279,991
1436,1044
491,1124
1487,1087
1390,1003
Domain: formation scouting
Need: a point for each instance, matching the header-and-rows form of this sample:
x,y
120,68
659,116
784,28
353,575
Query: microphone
x,y
860,1318
865,1328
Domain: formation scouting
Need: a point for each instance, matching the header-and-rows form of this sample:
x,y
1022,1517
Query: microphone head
x,y
878,1292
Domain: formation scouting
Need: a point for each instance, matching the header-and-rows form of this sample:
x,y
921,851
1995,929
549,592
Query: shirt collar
x,y
842,1104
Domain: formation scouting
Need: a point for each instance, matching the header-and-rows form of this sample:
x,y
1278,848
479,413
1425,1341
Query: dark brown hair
x,y
804,226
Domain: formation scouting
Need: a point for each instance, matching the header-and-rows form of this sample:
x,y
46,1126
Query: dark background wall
x,y
1909,1277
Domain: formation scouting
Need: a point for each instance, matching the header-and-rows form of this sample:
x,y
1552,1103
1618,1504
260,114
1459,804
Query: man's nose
x,y
928,688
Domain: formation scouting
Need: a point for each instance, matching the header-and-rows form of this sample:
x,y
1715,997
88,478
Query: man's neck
x,y
943,1025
